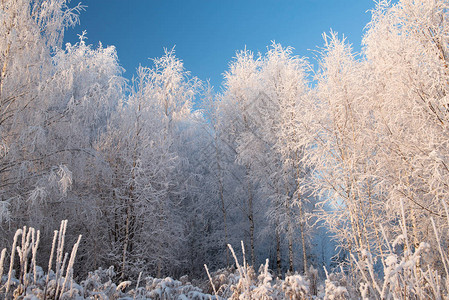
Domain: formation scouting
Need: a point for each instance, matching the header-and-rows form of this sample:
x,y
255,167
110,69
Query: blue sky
x,y
207,33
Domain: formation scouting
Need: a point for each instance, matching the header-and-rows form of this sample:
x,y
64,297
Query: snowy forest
x,y
327,177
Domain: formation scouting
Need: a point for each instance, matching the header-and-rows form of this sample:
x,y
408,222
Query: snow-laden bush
x,y
99,285
408,271
407,274
31,282
295,287
335,287
244,283
264,289
168,288
31,278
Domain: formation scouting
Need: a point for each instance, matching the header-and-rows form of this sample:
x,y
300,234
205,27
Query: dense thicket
x,y
283,158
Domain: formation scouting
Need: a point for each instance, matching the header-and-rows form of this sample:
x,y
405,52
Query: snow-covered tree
x,y
241,89
285,84
30,32
141,147
260,111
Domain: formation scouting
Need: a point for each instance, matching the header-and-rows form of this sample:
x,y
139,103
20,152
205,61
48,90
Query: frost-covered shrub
x,y
168,288
335,287
99,284
295,287
244,283
264,289
223,280
408,272
31,279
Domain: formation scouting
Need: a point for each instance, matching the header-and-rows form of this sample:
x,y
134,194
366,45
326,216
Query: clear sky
x,y
207,33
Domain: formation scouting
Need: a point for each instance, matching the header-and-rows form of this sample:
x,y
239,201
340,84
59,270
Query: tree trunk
x,y
223,206
289,235
251,224
5,64
126,242
278,251
303,240
301,216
